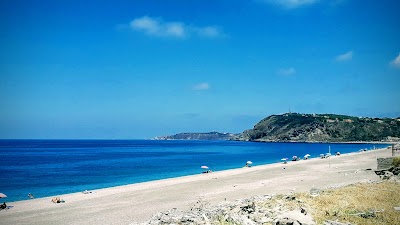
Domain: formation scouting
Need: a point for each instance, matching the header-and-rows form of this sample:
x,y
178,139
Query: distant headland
x,y
198,136
300,127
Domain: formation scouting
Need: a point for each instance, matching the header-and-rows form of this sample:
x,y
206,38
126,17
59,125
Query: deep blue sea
x,y
55,167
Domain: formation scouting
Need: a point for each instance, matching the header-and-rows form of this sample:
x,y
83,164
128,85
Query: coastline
x,y
324,142
136,203
83,174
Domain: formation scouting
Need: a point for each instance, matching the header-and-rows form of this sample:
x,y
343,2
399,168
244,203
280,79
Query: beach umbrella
x,y
284,159
2,195
204,167
307,155
249,162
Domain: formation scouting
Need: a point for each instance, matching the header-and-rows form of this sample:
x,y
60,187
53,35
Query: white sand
x,y
136,203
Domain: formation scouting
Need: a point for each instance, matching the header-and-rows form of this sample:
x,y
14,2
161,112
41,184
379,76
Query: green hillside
x,y
322,128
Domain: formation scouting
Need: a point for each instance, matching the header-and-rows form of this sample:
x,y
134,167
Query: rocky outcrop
x,y
197,136
296,127
387,170
392,173
251,211
385,163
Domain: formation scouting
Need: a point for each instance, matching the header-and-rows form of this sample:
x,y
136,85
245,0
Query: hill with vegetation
x,y
295,127
197,136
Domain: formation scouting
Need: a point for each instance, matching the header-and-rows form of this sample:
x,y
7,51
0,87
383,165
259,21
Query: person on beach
x,y
57,200
31,196
3,206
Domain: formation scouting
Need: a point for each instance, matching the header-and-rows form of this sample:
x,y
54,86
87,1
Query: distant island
x,y
297,127
300,127
198,136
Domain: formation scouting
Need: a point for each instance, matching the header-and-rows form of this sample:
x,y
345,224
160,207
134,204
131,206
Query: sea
x,y
55,167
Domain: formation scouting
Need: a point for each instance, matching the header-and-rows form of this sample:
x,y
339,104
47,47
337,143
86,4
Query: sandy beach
x,y
136,203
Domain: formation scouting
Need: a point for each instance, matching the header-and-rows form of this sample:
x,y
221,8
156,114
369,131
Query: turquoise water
x,y
54,167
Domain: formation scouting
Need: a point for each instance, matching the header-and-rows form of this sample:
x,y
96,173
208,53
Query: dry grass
x,y
359,204
396,161
339,204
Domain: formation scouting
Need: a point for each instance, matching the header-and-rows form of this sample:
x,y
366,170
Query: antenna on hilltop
x,y
290,110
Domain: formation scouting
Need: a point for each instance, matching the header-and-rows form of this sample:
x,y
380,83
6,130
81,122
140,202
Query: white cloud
x,y
291,4
157,27
396,62
345,57
287,71
175,29
146,24
201,87
209,31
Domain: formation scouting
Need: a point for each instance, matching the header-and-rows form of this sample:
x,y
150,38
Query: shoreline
x,y
138,202
150,139
60,184
190,175
324,142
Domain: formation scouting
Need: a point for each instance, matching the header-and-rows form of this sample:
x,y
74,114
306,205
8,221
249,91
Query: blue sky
x,y
139,69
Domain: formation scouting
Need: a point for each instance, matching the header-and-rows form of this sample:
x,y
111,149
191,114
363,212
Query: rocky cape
x,y
198,136
296,127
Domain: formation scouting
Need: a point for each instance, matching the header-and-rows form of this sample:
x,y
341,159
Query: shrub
x,y
396,161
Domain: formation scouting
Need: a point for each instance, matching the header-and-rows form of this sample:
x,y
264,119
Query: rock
x,y
379,172
384,163
251,208
264,220
286,221
330,222
268,214
296,216
206,220
315,192
240,219
266,197
289,198
396,171
188,219
386,175
250,211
